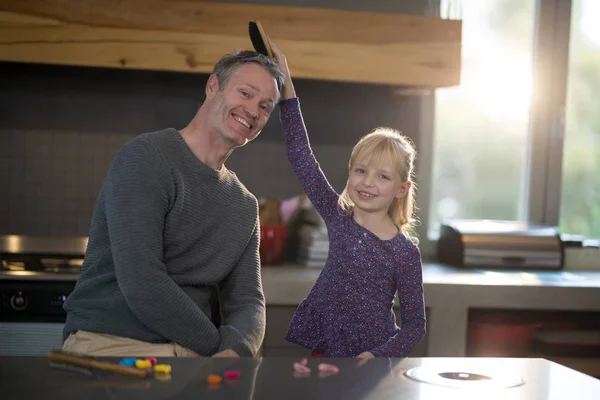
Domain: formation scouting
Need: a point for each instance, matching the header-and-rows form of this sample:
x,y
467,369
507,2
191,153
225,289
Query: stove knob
x,y
18,301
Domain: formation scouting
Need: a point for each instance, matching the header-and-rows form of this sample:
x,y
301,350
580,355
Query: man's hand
x,y
365,354
227,353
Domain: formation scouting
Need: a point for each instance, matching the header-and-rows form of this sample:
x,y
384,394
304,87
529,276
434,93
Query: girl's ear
x,y
212,86
403,191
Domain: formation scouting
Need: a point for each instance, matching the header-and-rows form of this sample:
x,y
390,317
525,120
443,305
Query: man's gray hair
x,y
229,63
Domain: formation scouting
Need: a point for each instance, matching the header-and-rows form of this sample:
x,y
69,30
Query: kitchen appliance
x,y
36,276
452,374
500,244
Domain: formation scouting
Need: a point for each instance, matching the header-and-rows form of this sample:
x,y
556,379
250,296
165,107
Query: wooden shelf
x,y
191,36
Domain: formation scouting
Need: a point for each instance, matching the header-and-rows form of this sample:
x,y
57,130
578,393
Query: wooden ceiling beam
x,y
190,36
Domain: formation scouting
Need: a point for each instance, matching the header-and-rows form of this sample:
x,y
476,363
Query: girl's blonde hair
x,y
384,143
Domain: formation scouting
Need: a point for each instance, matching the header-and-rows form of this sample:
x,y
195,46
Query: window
x,y
482,126
580,193
519,139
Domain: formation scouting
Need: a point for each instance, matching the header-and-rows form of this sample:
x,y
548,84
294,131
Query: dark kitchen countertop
x,y
273,378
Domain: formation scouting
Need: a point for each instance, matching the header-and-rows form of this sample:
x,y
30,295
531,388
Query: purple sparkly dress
x,y
349,309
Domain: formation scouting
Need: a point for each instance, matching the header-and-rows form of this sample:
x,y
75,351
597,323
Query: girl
x,y
348,312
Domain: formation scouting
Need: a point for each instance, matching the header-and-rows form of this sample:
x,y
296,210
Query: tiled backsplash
x,y
50,179
60,127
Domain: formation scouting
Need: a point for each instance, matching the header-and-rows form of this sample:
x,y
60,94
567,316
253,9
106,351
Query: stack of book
x,y
313,242
313,246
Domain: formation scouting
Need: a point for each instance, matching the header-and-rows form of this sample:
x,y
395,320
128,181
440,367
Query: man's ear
x,y
212,86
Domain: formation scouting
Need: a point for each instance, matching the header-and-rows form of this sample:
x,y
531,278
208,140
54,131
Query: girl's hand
x,y
365,354
288,87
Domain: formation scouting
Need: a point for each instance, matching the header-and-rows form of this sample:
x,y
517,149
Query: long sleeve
x,y
243,303
137,196
303,161
409,281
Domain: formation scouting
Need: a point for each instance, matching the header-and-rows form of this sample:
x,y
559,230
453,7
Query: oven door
x,y
32,316
29,338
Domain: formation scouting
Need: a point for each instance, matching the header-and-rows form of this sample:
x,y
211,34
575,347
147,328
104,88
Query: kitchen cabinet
x,y
451,294
569,338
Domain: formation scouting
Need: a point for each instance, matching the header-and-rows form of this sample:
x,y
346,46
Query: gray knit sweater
x,y
168,234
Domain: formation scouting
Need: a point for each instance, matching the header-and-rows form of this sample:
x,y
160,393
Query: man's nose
x,y
252,111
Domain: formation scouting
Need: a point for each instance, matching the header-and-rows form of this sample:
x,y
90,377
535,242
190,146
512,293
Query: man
x,y
172,265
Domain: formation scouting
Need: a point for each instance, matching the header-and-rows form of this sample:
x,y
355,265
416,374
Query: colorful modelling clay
x,y
214,379
162,368
301,368
152,360
231,374
130,362
328,368
143,364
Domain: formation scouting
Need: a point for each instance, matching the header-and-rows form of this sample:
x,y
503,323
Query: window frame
x,y
541,191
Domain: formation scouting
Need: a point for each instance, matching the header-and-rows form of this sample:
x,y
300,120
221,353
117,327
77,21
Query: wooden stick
x,y
95,364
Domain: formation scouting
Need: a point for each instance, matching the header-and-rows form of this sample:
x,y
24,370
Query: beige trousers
x,y
101,345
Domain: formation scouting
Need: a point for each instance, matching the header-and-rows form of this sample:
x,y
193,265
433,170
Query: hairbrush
x,y
259,38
